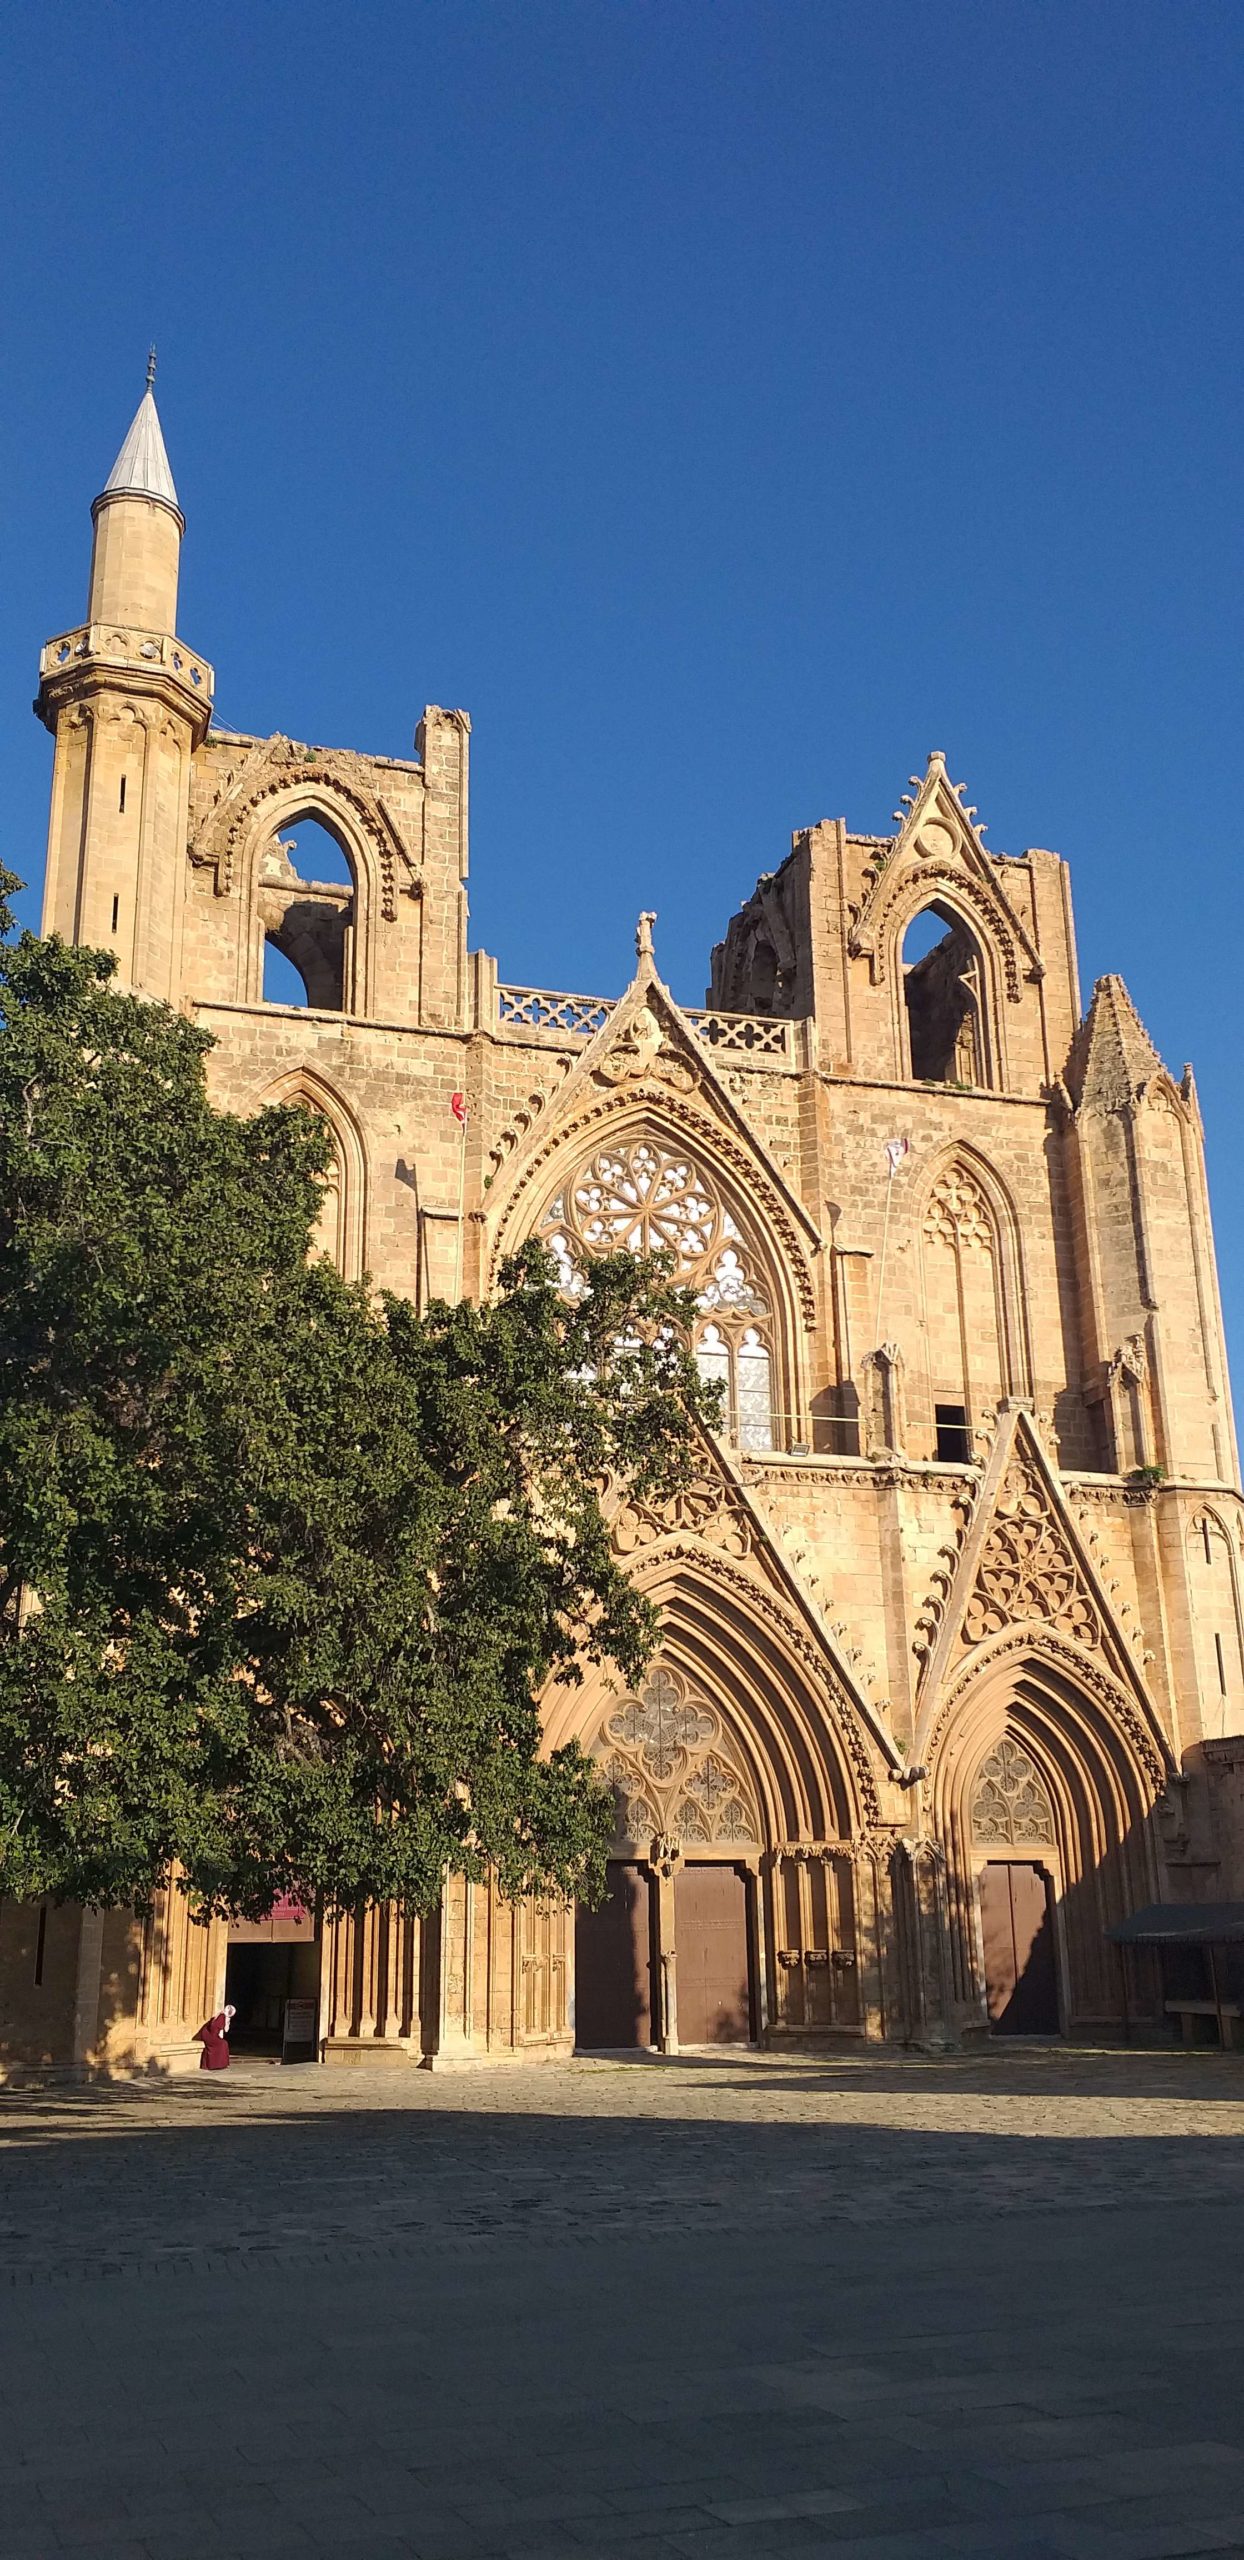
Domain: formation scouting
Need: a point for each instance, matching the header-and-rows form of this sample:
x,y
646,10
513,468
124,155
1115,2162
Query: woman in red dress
x,y
214,2038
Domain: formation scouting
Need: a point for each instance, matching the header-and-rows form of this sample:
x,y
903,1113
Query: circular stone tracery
x,y
664,1752
646,1198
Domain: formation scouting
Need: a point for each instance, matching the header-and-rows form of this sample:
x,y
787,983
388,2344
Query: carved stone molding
x,y
706,1509
957,1211
942,1577
711,1142
817,1853
893,885
1043,1644
676,1778
270,771
1130,1362
523,1118
644,1049
1010,1802
828,1686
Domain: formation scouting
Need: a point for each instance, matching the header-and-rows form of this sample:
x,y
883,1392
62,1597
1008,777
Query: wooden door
x,y
710,1935
613,1965
1017,1925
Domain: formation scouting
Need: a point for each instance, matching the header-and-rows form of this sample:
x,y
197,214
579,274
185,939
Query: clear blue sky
x,y
726,403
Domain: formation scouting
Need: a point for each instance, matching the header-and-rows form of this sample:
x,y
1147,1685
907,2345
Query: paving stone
x,y
1179,2541
913,2310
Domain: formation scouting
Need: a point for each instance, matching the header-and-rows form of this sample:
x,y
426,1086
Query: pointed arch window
x,y
1218,1624
646,1197
967,1315
339,1233
306,899
943,979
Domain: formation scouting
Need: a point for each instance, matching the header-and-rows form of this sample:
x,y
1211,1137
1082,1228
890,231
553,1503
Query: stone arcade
x,y
952,1636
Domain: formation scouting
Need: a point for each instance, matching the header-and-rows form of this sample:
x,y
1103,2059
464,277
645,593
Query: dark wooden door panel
x,y
613,1965
1017,1927
710,1931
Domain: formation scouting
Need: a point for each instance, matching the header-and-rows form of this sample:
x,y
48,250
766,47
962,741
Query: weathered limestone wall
x,y
97,1992
960,1588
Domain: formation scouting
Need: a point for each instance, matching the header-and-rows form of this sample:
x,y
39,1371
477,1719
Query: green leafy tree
x,y
284,1570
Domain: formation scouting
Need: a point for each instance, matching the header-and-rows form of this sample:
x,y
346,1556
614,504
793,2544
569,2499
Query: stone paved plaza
x,y
714,2308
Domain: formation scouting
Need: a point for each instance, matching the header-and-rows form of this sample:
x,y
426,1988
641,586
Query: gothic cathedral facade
x,y
952,1654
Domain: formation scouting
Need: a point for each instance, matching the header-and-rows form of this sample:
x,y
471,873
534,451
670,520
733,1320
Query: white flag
x,y
896,1149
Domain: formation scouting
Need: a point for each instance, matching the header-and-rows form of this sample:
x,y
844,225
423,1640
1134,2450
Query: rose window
x,y
646,1198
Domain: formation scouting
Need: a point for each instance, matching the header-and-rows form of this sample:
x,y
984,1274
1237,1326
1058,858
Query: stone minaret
x,y
127,704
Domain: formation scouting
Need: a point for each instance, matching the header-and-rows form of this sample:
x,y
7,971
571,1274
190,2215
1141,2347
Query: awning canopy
x,y
1181,1924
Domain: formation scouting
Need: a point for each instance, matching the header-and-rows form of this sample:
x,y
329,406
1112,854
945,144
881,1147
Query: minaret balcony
x,y
150,659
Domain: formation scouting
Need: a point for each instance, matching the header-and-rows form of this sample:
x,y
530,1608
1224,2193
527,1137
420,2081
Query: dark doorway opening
x,y
1017,1926
613,1962
713,1955
269,1963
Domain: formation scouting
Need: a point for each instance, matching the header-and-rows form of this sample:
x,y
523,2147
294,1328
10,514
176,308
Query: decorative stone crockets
x,y
939,852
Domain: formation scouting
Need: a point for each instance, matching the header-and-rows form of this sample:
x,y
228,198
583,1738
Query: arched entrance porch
x,y
748,1892
1043,1787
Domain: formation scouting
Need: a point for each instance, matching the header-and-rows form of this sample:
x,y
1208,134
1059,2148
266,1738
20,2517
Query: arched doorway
x,y
670,1957
1012,1827
1044,1786
739,1911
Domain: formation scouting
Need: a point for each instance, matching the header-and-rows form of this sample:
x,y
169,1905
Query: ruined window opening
x,y
40,1945
121,796
282,982
315,856
765,974
954,1439
943,989
307,900
116,911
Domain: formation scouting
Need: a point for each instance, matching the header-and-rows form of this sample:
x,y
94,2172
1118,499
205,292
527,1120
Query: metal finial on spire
x,y
151,368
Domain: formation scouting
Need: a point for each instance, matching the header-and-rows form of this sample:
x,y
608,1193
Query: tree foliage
x,y
284,1569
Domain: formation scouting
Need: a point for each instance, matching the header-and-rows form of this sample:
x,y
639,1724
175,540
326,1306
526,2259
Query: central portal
x,y
714,1975
669,1958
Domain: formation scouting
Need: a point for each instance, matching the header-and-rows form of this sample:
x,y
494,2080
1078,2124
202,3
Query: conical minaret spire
x,y
138,529
142,467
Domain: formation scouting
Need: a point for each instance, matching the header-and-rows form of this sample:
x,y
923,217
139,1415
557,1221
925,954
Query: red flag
x,y
458,1106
